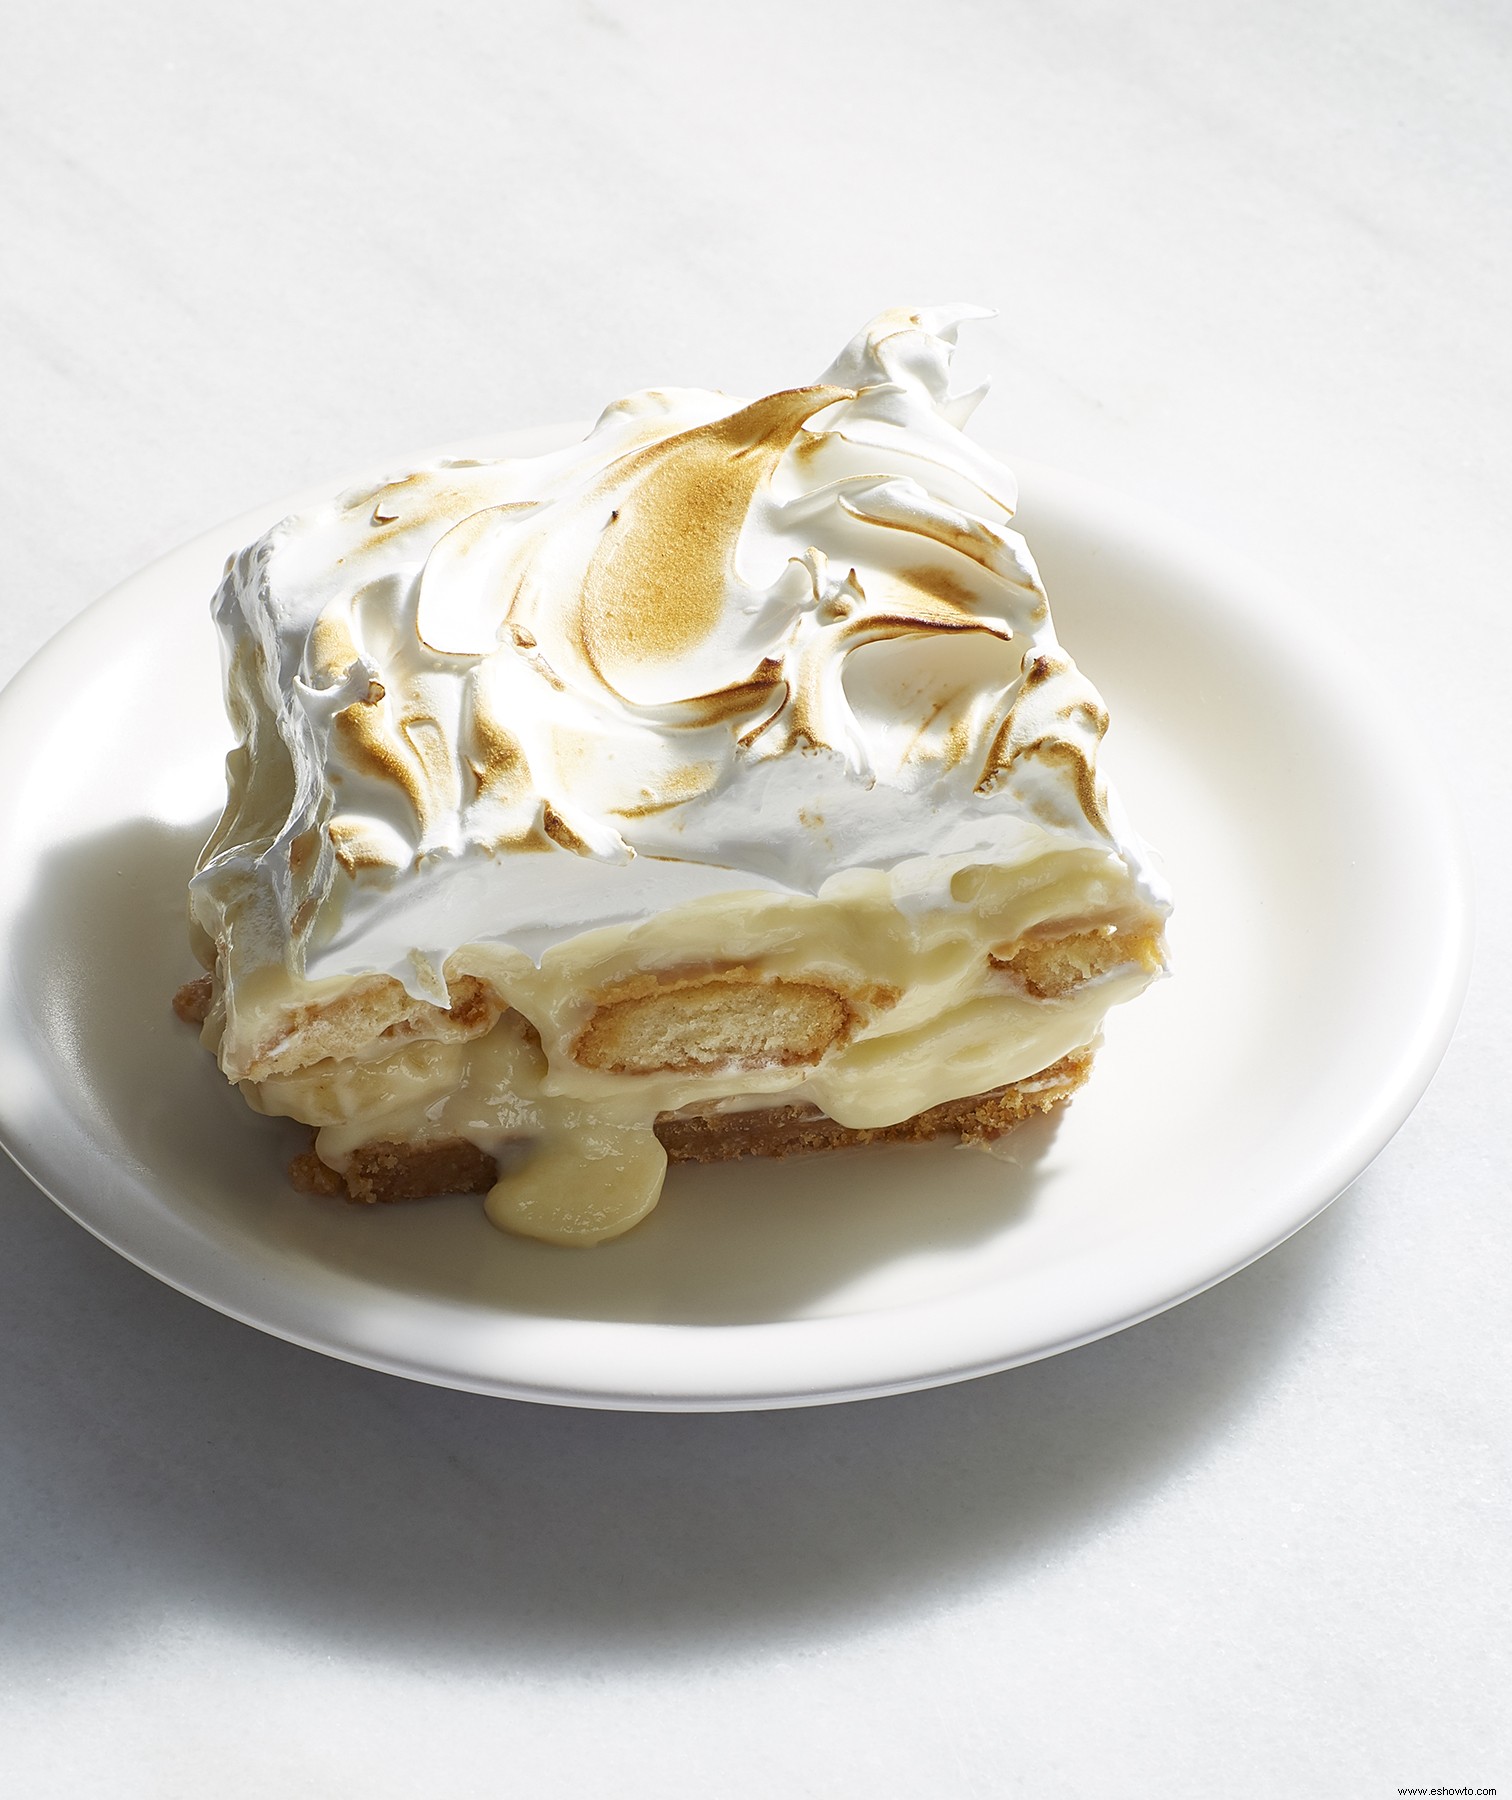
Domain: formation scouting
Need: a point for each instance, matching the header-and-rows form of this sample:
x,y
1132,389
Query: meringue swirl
x,y
718,646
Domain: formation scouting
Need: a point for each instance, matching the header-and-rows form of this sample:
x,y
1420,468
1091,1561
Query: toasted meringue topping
x,y
718,646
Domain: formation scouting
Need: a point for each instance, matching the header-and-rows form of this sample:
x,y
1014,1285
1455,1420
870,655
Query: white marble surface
x,y
1253,267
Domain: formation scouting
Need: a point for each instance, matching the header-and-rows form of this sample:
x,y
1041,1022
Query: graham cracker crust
x,y
387,1172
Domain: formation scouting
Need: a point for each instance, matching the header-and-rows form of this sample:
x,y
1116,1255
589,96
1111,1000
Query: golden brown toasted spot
x,y
1047,967
428,740
657,583
781,694
413,500
941,585
332,649
728,1018
355,846
1067,756
762,691
925,723
975,540
957,745
499,766
1094,717
192,1002
678,787
560,832
367,740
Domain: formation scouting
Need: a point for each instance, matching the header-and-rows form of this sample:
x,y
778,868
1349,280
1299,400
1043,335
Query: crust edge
x,y
386,1173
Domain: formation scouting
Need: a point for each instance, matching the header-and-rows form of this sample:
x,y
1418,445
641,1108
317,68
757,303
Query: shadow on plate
x,y
168,1462
100,951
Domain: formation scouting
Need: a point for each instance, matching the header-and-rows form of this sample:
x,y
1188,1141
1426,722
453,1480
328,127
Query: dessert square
x,y
715,786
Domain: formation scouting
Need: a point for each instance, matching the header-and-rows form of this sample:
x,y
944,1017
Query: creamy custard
x,y
581,1160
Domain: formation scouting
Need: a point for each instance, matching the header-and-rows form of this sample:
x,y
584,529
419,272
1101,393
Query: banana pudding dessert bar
x,y
714,786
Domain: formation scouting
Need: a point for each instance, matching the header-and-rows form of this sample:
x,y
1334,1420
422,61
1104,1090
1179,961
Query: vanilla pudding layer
x,y
858,1002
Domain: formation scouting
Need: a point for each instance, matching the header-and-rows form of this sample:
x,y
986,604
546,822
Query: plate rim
x,y
1439,997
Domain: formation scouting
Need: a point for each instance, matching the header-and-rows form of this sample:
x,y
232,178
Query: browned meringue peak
x,y
718,646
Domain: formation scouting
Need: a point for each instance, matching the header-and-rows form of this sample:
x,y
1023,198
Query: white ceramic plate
x,y
1321,947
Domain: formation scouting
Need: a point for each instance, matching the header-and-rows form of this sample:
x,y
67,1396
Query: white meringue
x,y
717,647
